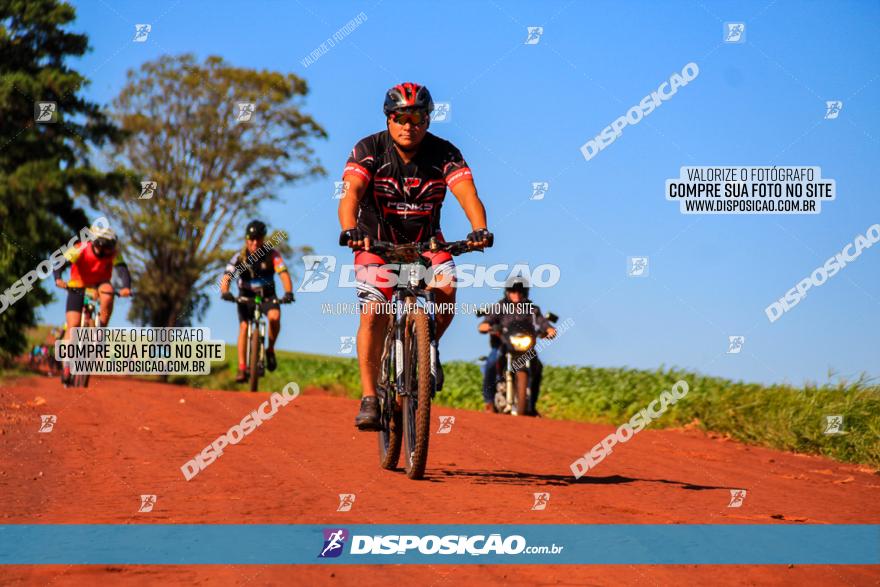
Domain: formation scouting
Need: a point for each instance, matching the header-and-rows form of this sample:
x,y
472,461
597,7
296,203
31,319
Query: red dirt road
x,y
122,438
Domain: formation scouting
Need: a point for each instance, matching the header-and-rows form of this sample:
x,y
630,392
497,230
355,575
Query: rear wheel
x,y
254,357
417,402
390,435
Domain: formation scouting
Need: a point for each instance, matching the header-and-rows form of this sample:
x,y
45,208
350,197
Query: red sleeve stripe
x,y
357,170
459,175
278,262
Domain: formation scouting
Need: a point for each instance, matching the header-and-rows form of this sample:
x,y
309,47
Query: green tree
x,y
213,162
42,166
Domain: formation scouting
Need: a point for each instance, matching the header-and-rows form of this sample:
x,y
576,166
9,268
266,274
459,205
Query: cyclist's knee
x,y
73,319
372,315
273,315
105,289
373,321
444,290
370,309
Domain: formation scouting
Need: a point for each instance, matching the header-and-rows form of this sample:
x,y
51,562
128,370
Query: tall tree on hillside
x,y
43,165
211,142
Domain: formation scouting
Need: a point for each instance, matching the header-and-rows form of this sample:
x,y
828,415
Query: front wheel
x,y
82,380
521,383
254,357
417,401
389,436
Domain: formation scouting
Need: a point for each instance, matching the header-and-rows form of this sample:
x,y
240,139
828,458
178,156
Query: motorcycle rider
x,y
395,184
514,306
92,265
256,265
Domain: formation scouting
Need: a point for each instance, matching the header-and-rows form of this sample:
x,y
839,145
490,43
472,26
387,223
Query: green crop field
x,y
779,416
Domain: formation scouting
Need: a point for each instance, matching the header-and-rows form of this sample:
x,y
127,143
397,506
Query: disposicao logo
x,y
334,542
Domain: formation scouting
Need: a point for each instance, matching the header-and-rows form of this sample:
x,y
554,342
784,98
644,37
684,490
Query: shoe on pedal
x,y
271,364
241,377
439,376
368,416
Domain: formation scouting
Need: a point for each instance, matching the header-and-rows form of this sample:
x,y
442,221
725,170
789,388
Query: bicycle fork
x,y
397,351
432,334
88,311
262,329
508,384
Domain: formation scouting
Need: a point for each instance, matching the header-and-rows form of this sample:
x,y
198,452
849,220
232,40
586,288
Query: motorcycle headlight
x,y
521,342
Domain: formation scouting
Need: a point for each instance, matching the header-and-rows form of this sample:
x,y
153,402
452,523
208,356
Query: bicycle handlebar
x,y
454,248
247,300
116,293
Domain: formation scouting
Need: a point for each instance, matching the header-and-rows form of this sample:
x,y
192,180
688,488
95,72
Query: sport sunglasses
x,y
417,118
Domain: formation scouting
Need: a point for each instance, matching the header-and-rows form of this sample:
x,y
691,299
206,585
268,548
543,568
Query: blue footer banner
x,y
296,544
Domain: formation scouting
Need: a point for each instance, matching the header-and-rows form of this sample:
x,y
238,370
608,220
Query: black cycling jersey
x,y
256,270
403,200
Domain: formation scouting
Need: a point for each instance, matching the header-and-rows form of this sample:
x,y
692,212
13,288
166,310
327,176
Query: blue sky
x,y
520,114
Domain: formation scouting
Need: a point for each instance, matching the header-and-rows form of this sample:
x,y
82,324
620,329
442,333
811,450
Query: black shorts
x,y
76,296
246,311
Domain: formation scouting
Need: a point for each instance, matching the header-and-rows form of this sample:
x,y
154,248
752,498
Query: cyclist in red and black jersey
x,y
395,184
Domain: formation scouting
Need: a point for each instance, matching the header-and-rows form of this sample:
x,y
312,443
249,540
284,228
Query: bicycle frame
x,y
411,296
91,311
395,378
403,300
91,308
258,321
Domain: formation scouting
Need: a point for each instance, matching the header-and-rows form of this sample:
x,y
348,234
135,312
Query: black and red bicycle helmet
x,y
255,229
408,96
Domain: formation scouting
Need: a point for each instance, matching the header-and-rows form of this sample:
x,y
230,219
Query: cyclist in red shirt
x,y
92,264
396,181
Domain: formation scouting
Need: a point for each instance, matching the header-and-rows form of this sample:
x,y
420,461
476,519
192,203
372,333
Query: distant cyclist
x,y
35,355
92,264
396,183
255,266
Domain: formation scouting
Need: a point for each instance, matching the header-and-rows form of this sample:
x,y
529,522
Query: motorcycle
x,y
512,392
